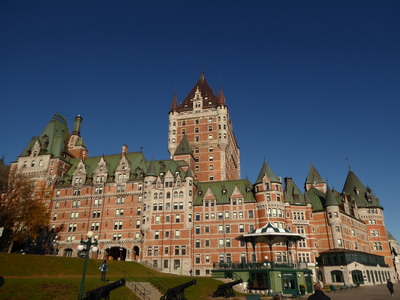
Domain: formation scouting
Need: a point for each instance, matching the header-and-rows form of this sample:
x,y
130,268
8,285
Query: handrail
x,y
138,289
158,283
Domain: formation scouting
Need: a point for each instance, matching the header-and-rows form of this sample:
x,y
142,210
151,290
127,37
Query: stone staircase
x,y
144,290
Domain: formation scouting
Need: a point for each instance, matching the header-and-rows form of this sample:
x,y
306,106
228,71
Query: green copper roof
x,y
188,173
266,171
183,147
292,193
313,176
359,193
80,142
316,198
163,166
151,170
330,198
222,190
53,139
136,160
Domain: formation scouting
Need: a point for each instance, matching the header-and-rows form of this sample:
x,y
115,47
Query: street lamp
x,y
89,245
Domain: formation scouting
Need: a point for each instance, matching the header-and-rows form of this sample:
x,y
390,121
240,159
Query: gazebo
x,y
267,277
270,235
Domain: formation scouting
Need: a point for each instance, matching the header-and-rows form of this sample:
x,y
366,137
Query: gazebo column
x,y
247,253
253,244
270,251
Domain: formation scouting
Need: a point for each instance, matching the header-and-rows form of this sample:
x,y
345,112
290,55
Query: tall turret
x,y
333,214
76,146
204,119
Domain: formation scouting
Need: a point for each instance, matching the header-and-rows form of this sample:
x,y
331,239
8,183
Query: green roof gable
x,y
136,160
292,193
363,196
53,139
223,190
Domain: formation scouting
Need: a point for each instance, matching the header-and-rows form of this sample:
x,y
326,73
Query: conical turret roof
x,y
151,170
330,199
174,105
313,176
221,98
266,171
188,173
183,147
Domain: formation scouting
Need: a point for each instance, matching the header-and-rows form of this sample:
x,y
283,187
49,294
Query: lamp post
x,y
120,253
88,243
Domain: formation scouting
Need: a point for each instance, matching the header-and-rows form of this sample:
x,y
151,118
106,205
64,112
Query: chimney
x,y
77,125
124,150
85,154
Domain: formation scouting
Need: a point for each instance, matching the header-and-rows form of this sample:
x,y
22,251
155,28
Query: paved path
x,y
377,292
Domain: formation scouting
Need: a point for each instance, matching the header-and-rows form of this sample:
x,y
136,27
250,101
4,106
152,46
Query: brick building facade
x,y
184,213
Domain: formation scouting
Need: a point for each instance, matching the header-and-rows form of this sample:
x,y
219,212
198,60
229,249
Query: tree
x,y
23,209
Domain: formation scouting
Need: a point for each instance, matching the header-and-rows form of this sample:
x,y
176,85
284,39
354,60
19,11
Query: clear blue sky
x,y
304,80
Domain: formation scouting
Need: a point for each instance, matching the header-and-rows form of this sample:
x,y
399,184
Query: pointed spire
x,y
189,173
151,171
330,199
183,147
174,106
313,176
221,98
266,171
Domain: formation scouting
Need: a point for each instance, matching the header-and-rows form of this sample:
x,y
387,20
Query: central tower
x,y
204,119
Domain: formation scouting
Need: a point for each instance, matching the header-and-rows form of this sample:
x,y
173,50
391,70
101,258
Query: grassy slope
x,y
48,277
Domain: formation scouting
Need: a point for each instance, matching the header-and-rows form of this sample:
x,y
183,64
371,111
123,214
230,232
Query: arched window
x,y
181,194
155,196
168,195
175,194
161,196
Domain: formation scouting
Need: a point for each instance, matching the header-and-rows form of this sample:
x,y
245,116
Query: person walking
x,y
103,268
390,287
318,293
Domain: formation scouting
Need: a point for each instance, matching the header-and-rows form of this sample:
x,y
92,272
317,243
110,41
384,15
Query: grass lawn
x,y
49,277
